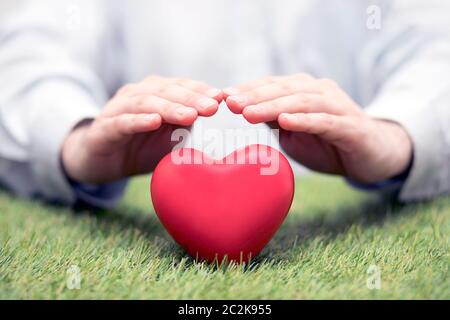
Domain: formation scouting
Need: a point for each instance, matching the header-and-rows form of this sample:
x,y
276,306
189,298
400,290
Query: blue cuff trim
x,y
390,185
102,196
95,195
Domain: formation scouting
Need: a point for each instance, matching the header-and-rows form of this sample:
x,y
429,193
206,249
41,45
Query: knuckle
x,y
184,95
136,101
139,103
254,94
303,99
285,86
163,90
125,104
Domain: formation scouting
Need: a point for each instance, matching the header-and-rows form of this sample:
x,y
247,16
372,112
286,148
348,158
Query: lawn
x,y
323,250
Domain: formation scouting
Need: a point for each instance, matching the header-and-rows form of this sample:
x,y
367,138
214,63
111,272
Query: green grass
x,y
323,250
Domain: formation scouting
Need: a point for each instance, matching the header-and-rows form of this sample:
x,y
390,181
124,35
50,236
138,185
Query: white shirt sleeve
x,y
409,68
50,80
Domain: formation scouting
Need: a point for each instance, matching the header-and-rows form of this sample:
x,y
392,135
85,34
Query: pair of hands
x,y
320,126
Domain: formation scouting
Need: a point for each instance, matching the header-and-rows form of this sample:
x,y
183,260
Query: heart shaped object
x,y
223,209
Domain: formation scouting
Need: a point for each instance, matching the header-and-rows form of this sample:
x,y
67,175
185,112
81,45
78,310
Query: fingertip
x,y
207,106
189,121
211,111
250,115
220,98
186,116
233,105
216,94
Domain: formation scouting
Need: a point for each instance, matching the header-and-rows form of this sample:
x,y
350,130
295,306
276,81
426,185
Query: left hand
x,y
323,128
133,131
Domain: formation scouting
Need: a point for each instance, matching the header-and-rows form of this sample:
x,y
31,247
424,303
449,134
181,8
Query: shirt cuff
x,y
389,186
56,107
100,196
423,124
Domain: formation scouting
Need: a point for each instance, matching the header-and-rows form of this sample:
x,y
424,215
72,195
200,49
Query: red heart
x,y
223,207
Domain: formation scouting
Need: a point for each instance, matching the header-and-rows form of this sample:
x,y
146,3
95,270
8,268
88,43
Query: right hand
x,y
133,132
323,128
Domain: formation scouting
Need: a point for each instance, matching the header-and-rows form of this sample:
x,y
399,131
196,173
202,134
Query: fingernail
x,y
206,103
231,91
239,99
213,92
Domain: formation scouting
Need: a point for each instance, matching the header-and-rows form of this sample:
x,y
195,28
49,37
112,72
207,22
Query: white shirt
x,y
60,61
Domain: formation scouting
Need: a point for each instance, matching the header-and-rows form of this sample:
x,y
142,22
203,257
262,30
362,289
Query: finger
x,y
193,85
270,92
117,130
297,103
204,105
197,86
170,112
232,91
202,88
332,128
235,90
